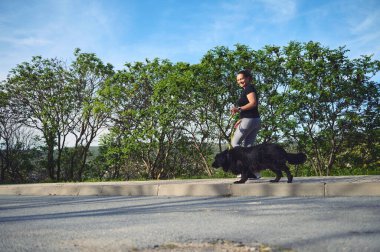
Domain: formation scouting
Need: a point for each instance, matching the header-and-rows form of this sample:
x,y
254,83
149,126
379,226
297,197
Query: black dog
x,y
242,160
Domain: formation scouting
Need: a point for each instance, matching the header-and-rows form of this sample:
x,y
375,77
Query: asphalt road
x,y
63,223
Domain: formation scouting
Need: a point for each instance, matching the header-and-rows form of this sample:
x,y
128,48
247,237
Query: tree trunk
x,y
50,156
50,162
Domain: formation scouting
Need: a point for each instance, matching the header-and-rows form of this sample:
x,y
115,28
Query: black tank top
x,y
243,100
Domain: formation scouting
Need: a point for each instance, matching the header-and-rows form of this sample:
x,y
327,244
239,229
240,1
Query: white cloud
x,y
362,18
365,24
28,41
280,11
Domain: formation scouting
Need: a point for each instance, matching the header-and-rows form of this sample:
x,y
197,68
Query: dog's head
x,y
221,160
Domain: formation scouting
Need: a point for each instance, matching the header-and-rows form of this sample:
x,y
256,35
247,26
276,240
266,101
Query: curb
x,y
306,187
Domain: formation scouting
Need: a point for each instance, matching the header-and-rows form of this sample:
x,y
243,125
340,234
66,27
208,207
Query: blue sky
x,y
120,31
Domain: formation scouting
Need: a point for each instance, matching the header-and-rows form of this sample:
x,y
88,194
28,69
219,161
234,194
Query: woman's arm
x,y
252,102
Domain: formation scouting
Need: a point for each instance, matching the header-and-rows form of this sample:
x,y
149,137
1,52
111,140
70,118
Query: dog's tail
x,y
296,158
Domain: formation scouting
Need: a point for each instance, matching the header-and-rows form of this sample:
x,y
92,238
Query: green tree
x,y
17,145
184,112
154,107
328,96
135,123
87,76
38,92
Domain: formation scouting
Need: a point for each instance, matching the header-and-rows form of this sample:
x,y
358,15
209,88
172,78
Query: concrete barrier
x,y
353,189
302,187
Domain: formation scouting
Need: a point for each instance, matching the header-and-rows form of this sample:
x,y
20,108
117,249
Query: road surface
x,y
120,223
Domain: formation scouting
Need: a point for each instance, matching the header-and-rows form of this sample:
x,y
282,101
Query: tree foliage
x,y
166,120
57,102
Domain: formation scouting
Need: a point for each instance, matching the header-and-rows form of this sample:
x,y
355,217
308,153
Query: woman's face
x,y
242,80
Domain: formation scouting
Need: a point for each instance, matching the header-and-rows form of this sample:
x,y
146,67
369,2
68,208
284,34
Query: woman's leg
x,y
246,131
255,125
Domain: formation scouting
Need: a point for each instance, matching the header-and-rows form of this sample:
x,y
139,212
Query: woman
x,y
249,121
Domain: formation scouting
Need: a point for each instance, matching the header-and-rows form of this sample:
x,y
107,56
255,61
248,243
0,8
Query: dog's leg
x,y
243,179
278,175
287,171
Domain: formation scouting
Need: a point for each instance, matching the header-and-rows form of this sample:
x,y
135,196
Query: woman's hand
x,y
234,110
